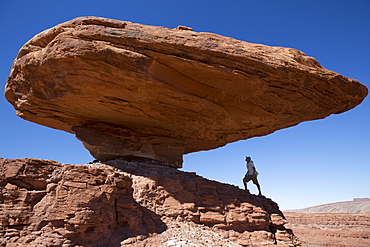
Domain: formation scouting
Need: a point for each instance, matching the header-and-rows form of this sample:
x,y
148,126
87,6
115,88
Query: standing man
x,y
251,175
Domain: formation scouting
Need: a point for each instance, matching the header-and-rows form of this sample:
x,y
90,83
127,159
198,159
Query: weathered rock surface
x,y
128,89
45,203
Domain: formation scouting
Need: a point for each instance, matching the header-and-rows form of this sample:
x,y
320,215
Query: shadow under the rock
x,y
207,195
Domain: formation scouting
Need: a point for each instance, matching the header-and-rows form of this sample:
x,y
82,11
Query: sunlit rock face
x,y
133,90
120,203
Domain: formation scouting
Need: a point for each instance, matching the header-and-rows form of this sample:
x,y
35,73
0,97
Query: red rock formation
x,y
45,203
128,89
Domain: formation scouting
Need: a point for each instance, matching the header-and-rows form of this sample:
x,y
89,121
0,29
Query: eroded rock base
x,y
121,203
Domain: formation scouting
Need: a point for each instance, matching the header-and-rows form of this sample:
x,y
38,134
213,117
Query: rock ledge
x,y
45,203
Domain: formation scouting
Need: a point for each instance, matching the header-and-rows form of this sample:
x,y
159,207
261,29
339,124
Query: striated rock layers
x,y
45,203
128,89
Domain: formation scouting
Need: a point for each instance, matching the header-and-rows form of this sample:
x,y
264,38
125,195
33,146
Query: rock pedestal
x,y
45,203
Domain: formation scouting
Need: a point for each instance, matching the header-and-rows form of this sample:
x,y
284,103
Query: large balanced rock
x,y
45,203
134,90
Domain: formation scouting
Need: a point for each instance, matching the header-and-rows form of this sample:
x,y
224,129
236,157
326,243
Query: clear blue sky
x,y
313,163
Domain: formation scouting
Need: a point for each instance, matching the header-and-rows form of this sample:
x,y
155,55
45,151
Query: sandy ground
x,y
339,230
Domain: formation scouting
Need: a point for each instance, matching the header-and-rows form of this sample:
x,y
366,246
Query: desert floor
x,y
339,230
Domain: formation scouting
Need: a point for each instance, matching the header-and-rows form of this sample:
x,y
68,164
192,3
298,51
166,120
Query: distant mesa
x,y
357,206
132,90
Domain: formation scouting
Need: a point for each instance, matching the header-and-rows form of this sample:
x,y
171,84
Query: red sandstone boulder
x,y
128,89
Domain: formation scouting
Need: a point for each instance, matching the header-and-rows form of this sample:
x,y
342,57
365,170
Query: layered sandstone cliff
x,y
127,89
122,203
